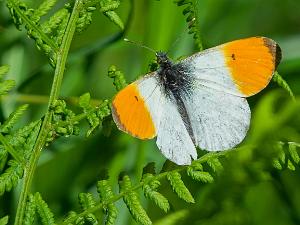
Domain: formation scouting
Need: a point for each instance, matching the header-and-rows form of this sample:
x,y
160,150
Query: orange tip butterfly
x,y
199,101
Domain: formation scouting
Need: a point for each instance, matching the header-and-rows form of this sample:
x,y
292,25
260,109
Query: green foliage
x,y
11,176
4,220
108,7
179,188
85,16
43,210
12,119
283,84
150,192
288,156
173,218
5,85
63,121
190,11
106,194
53,29
95,115
119,79
22,14
132,201
87,201
29,215
197,173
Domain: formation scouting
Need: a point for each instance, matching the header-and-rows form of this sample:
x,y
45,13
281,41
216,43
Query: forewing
x,y
136,108
242,67
219,121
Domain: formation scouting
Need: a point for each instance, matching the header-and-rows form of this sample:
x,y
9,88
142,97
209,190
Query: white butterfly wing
x,y
219,120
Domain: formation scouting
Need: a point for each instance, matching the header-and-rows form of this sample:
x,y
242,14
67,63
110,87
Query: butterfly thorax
x,y
174,76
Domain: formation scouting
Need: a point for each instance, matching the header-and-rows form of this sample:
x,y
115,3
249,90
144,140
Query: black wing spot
x,y
233,56
136,98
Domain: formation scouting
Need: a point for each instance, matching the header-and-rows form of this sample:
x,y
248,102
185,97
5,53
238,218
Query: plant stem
x,y
55,89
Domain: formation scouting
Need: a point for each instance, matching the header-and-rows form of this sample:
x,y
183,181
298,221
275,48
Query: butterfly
x,y
198,101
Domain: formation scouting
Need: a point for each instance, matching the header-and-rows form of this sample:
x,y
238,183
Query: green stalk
x,y
41,139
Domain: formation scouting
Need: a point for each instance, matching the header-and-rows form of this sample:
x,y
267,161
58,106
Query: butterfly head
x,y
162,59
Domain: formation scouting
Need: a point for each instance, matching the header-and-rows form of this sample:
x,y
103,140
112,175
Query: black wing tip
x,y
274,49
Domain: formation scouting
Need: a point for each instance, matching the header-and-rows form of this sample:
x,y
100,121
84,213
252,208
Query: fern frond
x,y
30,210
31,138
85,17
119,78
215,165
282,83
44,8
12,119
173,218
150,192
54,21
87,201
3,158
132,202
3,70
105,193
196,172
288,156
11,176
178,186
4,220
190,11
96,118
108,7
43,210
6,85
62,121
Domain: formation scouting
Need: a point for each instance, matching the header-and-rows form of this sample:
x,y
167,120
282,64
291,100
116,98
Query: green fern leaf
x,y
190,11
12,119
85,18
157,197
3,70
43,210
282,83
4,220
108,7
30,209
132,202
173,218
6,86
87,201
73,216
31,138
179,188
44,8
293,151
54,21
105,193
3,158
290,165
119,78
11,176
200,175
215,164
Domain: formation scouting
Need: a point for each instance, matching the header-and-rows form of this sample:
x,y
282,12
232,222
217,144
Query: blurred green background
x,y
243,194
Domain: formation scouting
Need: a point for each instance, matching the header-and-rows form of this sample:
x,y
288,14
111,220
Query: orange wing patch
x,y
252,63
131,113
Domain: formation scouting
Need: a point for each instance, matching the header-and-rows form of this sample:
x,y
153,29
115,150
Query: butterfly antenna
x,y
140,45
